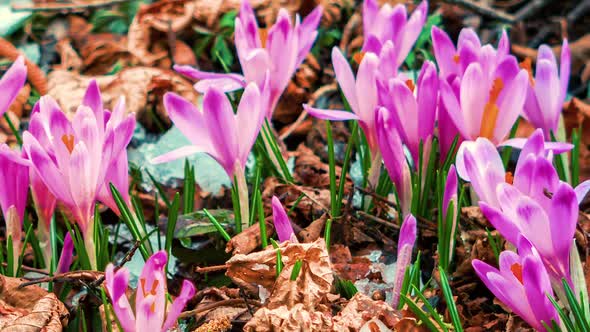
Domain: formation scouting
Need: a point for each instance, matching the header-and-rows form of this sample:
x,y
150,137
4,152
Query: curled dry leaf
x,y
136,84
138,43
167,15
70,60
362,309
30,308
35,75
298,318
208,11
259,269
248,240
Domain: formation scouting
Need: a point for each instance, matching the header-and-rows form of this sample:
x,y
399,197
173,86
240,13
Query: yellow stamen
x,y
68,141
491,110
153,307
410,85
456,58
358,57
517,271
527,65
509,178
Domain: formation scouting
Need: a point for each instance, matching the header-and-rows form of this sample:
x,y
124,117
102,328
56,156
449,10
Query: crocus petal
x,y
453,108
555,147
345,78
66,258
225,82
472,102
444,51
308,32
189,120
116,284
11,83
511,105
405,245
548,92
93,100
412,30
581,190
250,117
366,87
186,293
501,222
563,216
281,221
330,114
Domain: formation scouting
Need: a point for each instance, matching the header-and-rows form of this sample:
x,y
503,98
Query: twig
x,y
119,265
79,276
171,41
573,16
243,295
29,269
530,9
230,302
64,7
378,220
484,10
213,268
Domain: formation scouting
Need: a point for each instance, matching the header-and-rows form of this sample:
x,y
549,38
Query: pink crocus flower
x,y
280,54
11,83
450,196
394,158
152,310
217,131
489,101
282,223
521,283
413,107
73,158
14,188
548,89
405,245
392,24
453,62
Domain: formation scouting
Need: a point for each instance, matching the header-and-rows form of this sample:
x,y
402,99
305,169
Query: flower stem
x,y
89,244
242,189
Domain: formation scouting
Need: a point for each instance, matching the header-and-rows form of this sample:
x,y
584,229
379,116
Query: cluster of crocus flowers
x,y
153,312
281,53
522,283
76,159
405,246
281,221
226,136
547,90
387,23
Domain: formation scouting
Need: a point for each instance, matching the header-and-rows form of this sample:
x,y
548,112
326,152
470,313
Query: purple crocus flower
x,y
14,188
489,101
521,283
280,54
217,131
281,221
152,310
73,158
548,89
450,196
413,107
405,245
11,83
394,158
392,24
453,62
67,255
360,93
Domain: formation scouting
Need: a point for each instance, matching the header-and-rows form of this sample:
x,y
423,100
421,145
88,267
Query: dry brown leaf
x,y
167,15
29,309
259,269
248,240
298,318
35,75
362,309
138,43
215,325
136,84
70,60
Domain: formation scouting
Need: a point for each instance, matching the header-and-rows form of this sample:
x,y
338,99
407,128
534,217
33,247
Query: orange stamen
x,y
527,65
68,141
491,110
411,85
509,178
456,58
517,271
154,287
358,57
263,36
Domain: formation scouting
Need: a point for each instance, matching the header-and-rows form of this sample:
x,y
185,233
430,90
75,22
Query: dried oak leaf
x,y
167,15
248,240
297,318
136,84
360,310
138,43
259,269
29,309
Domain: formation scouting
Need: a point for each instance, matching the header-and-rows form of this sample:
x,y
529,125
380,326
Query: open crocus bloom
x,y
453,62
14,188
392,24
522,284
280,54
480,163
394,158
360,93
152,312
405,245
74,158
489,101
548,89
413,107
281,221
11,83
